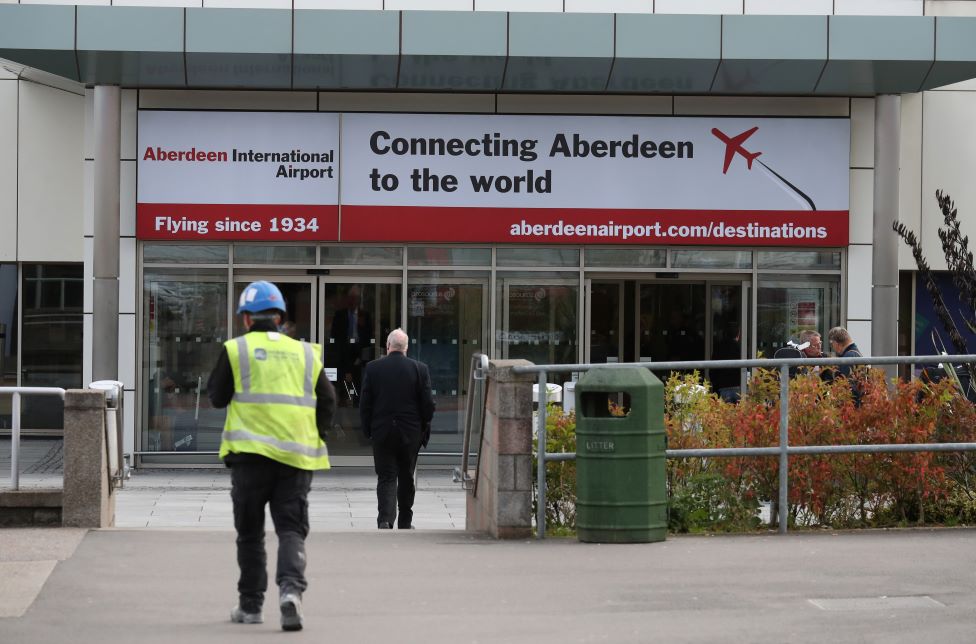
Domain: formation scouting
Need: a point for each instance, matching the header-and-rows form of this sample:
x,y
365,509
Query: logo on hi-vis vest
x,y
260,354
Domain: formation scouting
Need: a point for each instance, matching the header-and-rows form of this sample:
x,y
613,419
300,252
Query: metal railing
x,y
784,450
15,425
474,415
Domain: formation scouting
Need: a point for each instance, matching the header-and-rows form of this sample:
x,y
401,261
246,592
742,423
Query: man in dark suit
x,y
396,406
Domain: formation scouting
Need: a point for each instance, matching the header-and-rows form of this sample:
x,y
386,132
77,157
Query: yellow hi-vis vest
x,y
272,412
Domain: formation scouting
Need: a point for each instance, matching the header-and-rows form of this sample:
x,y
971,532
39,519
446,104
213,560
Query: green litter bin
x,y
621,490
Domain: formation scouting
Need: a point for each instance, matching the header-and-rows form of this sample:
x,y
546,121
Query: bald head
x,y
397,341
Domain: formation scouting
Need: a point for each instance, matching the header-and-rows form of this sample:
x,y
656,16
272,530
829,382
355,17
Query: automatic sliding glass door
x,y
356,317
447,324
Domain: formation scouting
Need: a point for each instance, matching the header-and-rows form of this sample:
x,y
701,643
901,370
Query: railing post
x,y
15,443
543,398
783,508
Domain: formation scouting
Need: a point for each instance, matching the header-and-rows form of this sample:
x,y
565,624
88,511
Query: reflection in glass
x,y
626,257
726,340
8,338
445,322
537,321
186,325
358,317
605,322
362,255
251,254
786,308
537,256
185,254
799,260
51,354
444,256
681,258
671,322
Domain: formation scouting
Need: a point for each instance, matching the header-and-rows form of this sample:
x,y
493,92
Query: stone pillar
x,y
88,498
503,505
884,251
105,269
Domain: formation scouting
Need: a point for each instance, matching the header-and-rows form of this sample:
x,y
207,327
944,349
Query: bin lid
x,y
616,379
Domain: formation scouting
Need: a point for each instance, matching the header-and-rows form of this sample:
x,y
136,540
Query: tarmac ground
x,y
167,573
445,586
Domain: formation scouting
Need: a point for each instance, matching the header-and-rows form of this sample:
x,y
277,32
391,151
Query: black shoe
x,y
384,525
405,527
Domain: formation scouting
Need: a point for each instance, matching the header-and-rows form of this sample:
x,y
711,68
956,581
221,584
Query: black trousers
x,y
255,484
394,461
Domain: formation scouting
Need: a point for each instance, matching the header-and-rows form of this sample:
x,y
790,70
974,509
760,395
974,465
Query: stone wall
x,y
501,503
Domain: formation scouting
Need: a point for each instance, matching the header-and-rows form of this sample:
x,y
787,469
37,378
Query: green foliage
x,y
560,475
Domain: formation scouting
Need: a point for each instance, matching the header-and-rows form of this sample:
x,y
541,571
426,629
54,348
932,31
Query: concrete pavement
x,y
168,573
343,498
436,586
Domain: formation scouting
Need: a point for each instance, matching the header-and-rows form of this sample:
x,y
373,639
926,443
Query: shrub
x,y
724,494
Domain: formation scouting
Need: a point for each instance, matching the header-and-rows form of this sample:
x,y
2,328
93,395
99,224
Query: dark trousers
x,y
255,484
394,461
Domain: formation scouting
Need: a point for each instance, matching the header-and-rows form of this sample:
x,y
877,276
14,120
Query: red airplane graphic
x,y
733,145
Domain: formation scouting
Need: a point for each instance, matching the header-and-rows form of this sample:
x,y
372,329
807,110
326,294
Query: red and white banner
x,y
238,176
494,179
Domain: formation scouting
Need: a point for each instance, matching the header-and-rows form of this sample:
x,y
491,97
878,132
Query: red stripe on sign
x,y
237,222
595,226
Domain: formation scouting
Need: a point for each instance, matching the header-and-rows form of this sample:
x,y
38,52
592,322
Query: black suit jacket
x,y
395,397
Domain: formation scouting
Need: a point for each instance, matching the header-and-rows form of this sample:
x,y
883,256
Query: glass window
x,y
629,257
537,320
185,327
799,260
274,254
51,354
8,337
367,255
538,256
784,308
681,258
441,256
188,254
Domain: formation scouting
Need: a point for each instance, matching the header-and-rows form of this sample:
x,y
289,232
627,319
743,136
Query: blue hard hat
x,y
260,296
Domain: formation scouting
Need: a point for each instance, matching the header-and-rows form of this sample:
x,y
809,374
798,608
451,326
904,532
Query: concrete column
x,y
105,293
884,274
503,505
88,501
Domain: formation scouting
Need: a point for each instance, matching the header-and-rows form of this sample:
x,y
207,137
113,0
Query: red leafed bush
x,y
837,490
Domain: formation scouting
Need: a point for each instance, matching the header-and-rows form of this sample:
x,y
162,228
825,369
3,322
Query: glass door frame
x,y
621,285
359,278
833,290
487,348
141,411
743,279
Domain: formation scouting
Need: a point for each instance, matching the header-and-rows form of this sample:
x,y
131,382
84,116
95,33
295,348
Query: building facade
x,y
595,182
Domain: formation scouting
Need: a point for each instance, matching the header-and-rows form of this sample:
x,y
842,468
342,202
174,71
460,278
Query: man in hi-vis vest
x,y
279,405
